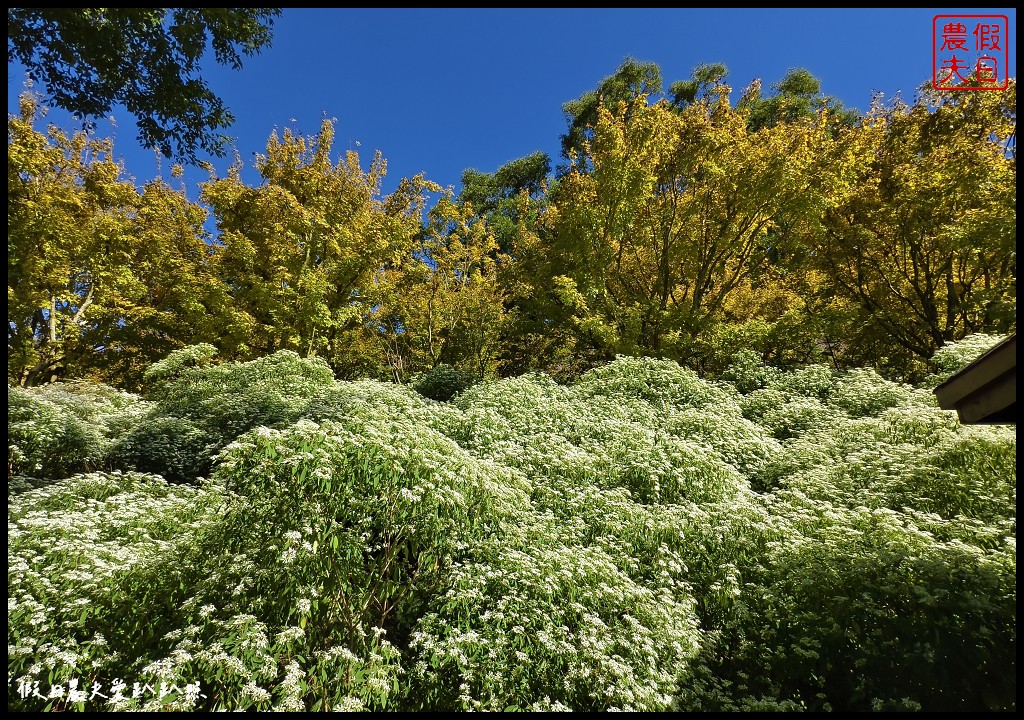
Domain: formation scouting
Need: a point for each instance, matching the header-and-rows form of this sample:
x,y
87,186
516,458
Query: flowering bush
x,y
641,539
201,407
174,447
56,430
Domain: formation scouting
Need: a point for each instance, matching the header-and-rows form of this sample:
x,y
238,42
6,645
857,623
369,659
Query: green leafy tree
x,y
487,191
147,59
700,86
496,196
632,79
511,202
798,95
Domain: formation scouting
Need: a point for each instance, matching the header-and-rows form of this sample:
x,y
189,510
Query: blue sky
x,y
441,90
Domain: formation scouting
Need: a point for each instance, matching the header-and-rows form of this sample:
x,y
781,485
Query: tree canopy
x,y
686,225
147,59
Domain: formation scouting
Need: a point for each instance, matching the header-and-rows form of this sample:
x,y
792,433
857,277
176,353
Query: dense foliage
x,y
660,433
685,225
639,539
147,59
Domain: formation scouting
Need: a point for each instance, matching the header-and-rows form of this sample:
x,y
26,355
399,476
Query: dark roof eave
x,y
985,390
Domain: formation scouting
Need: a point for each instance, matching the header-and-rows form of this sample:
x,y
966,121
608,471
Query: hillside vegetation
x,y
259,535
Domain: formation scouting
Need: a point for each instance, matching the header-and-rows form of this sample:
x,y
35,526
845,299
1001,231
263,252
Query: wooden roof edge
x,y
984,370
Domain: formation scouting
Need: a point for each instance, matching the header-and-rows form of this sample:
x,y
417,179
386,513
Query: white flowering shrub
x,y
202,407
59,429
357,524
858,609
642,539
878,518
748,372
81,557
232,398
542,627
176,448
813,381
635,418
794,417
370,400
791,403
658,382
862,391
722,427
178,364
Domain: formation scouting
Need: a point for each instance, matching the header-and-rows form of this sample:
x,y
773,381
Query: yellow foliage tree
x,y
920,233
301,251
677,210
103,278
443,303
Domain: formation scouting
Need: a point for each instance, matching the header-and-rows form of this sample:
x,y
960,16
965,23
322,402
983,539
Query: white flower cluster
x,y
641,540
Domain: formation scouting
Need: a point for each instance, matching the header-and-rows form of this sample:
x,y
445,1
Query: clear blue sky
x,y
442,90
